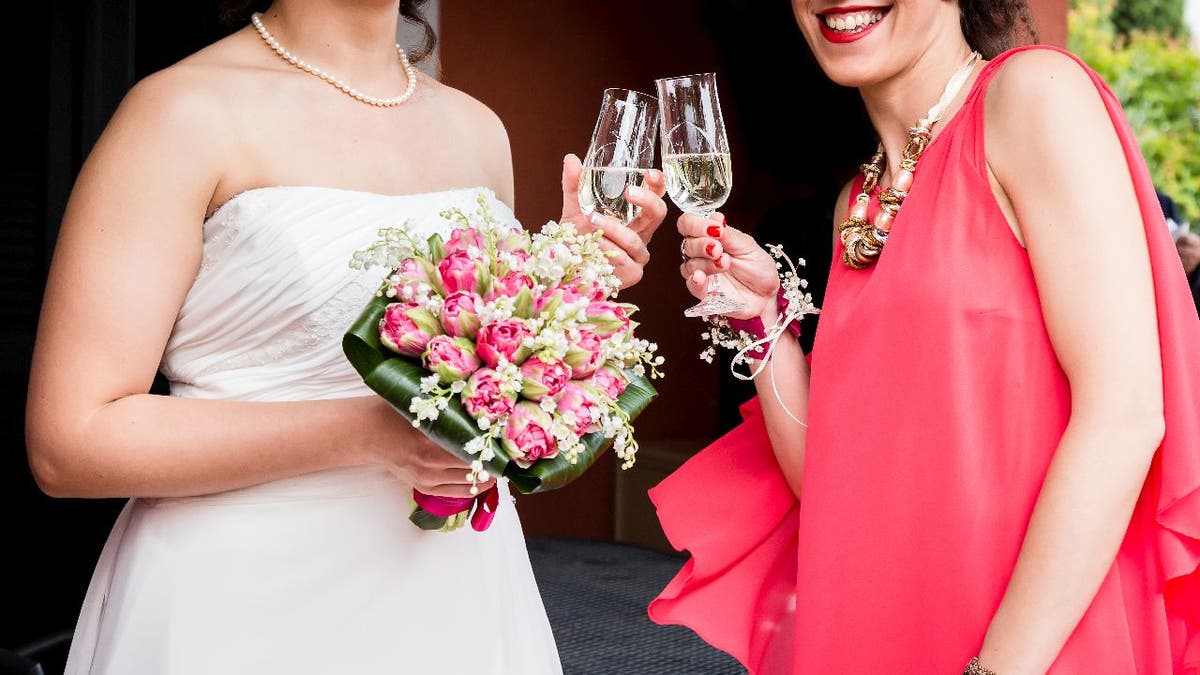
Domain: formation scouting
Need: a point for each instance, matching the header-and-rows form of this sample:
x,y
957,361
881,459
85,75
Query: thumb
x,y
572,168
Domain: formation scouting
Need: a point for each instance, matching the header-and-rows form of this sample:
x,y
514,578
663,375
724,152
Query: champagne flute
x,y
696,163
621,151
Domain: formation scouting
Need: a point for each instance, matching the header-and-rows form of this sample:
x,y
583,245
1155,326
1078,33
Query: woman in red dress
x,y
992,462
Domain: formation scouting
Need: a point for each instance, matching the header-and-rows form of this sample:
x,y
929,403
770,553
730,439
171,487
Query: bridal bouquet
x,y
506,349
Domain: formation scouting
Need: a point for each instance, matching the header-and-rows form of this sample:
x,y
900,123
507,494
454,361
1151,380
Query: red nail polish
x,y
714,231
708,250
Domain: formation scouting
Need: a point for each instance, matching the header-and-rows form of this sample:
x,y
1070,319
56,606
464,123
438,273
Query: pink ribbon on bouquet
x,y
443,507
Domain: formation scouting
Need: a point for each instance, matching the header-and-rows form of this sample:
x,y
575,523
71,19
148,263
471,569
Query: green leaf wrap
x,y
398,380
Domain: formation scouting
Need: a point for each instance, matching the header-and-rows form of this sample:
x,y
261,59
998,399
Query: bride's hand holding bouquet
x,y
508,350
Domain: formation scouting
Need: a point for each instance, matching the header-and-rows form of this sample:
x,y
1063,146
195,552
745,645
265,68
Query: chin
x,y
854,42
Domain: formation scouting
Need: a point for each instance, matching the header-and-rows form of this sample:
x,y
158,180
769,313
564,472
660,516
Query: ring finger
x,y
701,247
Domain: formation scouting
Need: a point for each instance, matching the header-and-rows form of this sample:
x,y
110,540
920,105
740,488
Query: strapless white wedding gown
x,y
323,573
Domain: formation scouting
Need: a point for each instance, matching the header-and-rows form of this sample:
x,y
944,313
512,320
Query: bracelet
x,y
975,668
757,331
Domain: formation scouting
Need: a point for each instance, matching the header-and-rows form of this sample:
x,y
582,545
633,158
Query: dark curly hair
x,y
239,11
992,26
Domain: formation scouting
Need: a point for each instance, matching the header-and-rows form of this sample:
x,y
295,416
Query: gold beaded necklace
x,y
863,239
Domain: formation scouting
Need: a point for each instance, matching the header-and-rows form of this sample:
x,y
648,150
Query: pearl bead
x,y
859,211
409,71
904,181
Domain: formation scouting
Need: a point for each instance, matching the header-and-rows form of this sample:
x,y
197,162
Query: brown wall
x,y
795,137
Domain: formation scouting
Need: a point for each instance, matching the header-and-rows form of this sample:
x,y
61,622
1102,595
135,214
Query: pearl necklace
x,y
284,54
864,240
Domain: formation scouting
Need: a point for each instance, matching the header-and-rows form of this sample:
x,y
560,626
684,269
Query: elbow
x,y
52,468
1142,427
48,472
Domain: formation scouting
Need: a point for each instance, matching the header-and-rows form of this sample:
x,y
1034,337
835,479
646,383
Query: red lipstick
x,y
843,37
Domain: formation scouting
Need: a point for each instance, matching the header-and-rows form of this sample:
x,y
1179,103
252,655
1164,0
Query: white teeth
x,y
853,22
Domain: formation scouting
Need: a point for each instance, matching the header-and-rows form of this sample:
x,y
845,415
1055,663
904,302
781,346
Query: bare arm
x,y
1077,211
129,248
749,272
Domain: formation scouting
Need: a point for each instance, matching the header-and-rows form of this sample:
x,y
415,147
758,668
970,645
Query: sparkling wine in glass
x,y
695,159
621,151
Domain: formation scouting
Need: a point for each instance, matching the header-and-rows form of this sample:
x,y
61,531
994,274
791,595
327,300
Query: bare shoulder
x,y
472,114
1040,84
192,99
178,122
479,128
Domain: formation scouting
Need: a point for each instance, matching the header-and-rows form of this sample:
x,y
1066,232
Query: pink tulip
x,y
584,355
482,399
543,376
516,261
408,278
607,318
582,401
461,239
510,285
526,437
451,358
555,297
502,340
460,272
588,289
407,328
460,314
610,380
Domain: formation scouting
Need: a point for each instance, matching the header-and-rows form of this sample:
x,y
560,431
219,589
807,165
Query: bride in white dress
x,y
267,530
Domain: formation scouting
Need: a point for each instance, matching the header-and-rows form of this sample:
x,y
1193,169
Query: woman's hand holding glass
x,y
629,242
748,273
613,189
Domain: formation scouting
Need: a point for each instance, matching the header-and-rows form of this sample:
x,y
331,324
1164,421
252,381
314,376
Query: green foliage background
x,y
1156,16
1157,78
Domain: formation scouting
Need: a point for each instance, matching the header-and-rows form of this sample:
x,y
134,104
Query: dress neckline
x,y
344,191
947,126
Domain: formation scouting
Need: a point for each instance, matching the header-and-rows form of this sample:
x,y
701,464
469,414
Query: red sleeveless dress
x,y
936,406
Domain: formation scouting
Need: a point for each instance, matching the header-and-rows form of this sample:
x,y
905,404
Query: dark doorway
x,y
73,61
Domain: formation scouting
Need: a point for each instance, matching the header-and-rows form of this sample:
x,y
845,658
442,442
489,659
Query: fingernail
x,y
708,250
654,174
597,219
714,231
723,261
568,157
635,192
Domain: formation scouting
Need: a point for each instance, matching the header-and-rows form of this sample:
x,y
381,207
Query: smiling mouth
x,y
851,22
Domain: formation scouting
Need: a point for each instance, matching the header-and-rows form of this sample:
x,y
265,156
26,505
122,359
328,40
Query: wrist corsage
x,y
750,337
756,342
